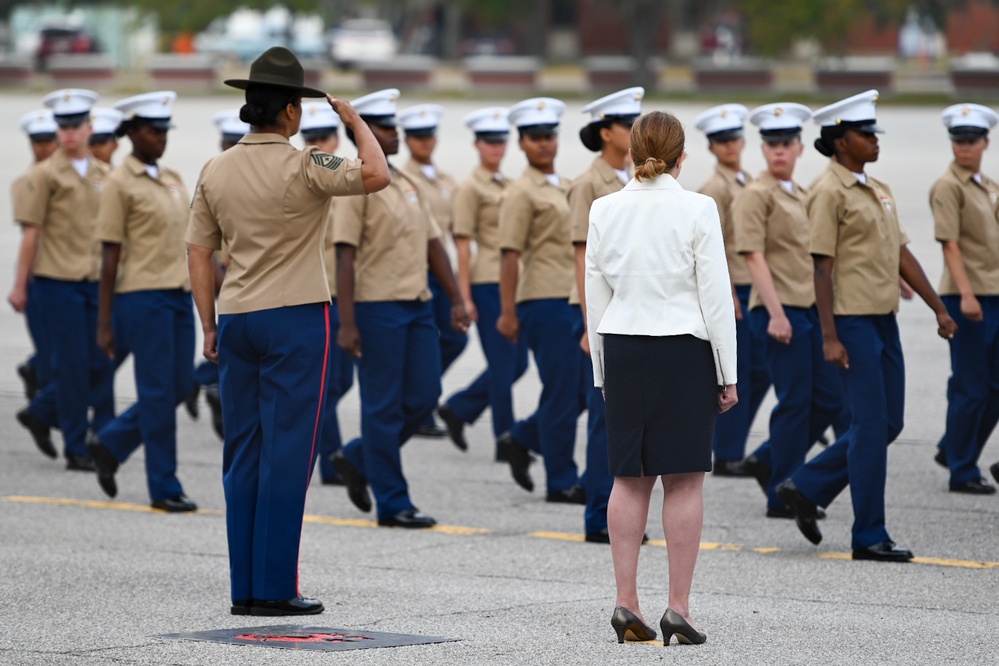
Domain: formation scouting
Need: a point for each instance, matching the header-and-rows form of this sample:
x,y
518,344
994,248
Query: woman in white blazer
x,y
662,338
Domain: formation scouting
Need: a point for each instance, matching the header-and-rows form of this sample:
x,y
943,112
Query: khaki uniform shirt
x,y
147,217
966,211
597,181
329,249
268,203
723,187
64,206
436,194
475,211
534,221
390,229
769,219
858,226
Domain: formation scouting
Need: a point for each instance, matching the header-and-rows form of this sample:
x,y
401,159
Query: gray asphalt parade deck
x,y
505,576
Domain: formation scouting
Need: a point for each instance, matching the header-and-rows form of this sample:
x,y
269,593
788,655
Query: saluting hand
x,y
349,340
508,326
460,321
343,109
727,398
946,328
835,353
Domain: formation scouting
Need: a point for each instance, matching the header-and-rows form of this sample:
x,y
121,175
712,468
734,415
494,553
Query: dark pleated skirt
x,y
662,399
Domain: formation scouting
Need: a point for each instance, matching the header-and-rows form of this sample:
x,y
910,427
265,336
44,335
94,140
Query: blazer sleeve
x,y
715,294
598,295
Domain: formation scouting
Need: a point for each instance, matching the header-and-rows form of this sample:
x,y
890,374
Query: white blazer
x,y
655,265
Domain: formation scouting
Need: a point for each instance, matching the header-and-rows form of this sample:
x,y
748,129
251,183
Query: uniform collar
x,y
133,164
539,178
730,175
61,161
767,179
845,175
253,138
486,176
662,182
605,170
962,174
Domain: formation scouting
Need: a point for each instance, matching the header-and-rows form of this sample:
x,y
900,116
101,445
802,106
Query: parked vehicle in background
x,y
361,40
56,40
246,33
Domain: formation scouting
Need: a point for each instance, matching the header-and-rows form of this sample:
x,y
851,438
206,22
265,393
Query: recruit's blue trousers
x,y
732,427
505,363
973,389
272,382
82,374
399,377
874,390
452,342
548,327
157,326
809,396
34,315
340,380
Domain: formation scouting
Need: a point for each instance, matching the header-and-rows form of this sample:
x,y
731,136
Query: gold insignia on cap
x,y
67,96
166,101
496,115
723,114
423,112
603,115
639,96
965,111
541,105
874,98
393,97
839,120
778,112
313,110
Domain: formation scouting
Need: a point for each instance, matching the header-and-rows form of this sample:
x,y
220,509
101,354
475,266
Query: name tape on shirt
x,y
331,162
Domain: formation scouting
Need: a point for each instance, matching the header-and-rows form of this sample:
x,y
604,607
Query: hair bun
x,y
823,147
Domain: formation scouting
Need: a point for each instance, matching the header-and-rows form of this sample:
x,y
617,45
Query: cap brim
x,y
726,135
492,137
72,119
782,134
381,121
317,132
967,132
41,137
242,84
422,133
539,130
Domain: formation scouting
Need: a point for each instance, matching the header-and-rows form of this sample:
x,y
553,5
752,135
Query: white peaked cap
x,y
421,117
492,120
858,111
627,102
104,120
40,121
318,115
969,119
70,101
781,118
381,103
228,123
150,106
536,111
724,118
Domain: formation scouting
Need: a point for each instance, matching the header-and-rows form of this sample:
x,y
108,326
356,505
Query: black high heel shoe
x,y
673,624
625,622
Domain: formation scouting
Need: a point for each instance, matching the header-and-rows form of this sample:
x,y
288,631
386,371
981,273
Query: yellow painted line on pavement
x,y
468,531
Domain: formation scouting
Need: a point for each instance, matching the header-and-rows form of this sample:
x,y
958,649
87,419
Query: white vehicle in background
x,y
362,40
246,33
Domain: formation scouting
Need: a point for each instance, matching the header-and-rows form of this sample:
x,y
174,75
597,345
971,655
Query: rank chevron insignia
x,y
331,162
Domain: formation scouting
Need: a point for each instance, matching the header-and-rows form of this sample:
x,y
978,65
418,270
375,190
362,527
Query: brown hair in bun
x,y
657,140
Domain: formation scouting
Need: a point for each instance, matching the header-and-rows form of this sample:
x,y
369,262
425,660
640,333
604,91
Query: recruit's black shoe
x,y
603,536
191,402
333,480
976,487
519,458
805,513
499,456
39,432
241,606
886,551
106,464
215,404
411,518
178,504
26,371
571,495
297,606
79,463
455,426
941,458
785,512
433,431
995,471
730,468
357,485
759,471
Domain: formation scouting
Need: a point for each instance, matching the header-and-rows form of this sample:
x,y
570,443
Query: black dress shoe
x,y
333,480
805,513
410,518
519,458
432,431
297,606
241,607
499,456
214,401
80,463
571,495
759,471
357,485
628,625
26,371
885,551
178,504
39,432
785,512
730,468
673,624
106,464
191,402
455,426
995,471
603,536
941,458
976,487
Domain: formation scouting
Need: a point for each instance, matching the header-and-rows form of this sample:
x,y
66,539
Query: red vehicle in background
x,y
59,41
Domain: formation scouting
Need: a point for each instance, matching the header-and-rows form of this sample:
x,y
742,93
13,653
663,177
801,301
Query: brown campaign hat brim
x,y
243,83
277,66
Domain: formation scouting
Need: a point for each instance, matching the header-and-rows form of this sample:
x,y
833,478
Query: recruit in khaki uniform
x,y
772,232
40,127
475,212
534,226
273,331
723,127
62,207
103,141
436,190
320,128
609,133
965,203
141,222
394,241
859,253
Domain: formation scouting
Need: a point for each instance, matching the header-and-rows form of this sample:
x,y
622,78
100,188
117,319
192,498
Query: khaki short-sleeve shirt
x,y
268,202
597,181
475,211
436,193
965,211
64,206
329,248
390,229
769,219
857,225
723,186
147,216
534,221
